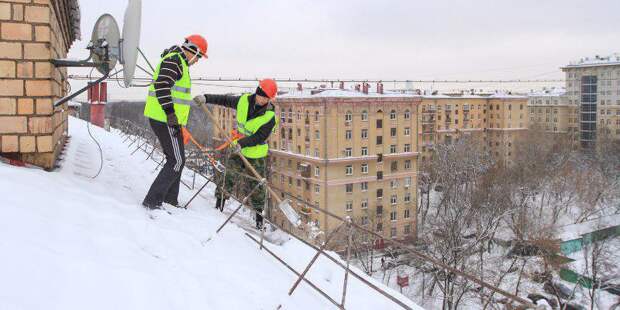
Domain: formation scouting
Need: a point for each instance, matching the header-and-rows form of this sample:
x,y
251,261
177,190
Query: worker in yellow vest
x,y
256,120
167,107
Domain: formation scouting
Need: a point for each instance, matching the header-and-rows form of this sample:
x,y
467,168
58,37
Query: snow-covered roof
x,y
83,243
350,93
75,104
611,60
553,92
575,231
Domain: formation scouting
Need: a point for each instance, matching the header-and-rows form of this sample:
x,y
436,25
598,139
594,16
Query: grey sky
x,y
477,39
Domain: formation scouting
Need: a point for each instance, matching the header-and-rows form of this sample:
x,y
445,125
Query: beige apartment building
x,y
593,88
497,121
351,153
550,112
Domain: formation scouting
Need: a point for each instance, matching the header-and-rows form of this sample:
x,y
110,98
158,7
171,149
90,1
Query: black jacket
x,y
254,111
170,71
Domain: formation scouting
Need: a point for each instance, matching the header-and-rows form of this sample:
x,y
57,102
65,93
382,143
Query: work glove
x,y
234,146
200,100
173,123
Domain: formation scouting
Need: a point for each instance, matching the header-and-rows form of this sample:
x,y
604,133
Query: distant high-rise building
x,y
593,85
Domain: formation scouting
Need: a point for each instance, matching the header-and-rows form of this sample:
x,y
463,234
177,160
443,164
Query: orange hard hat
x,y
198,43
269,87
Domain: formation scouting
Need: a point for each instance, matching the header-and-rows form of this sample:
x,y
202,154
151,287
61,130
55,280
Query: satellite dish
x,y
131,39
107,48
105,39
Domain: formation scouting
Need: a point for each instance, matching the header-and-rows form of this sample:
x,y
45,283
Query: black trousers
x,y
165,188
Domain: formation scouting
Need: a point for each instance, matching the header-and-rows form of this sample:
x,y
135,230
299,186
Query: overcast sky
x,y
475,39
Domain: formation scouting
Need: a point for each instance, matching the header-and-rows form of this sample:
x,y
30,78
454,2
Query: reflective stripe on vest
x,y
250,127
180,93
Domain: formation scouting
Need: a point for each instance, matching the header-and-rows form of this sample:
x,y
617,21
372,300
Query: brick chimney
x,y
379,87
341,85
31,129
300,87
365,87
357,87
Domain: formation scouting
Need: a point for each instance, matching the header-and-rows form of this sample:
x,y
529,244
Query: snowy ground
x,y
73,242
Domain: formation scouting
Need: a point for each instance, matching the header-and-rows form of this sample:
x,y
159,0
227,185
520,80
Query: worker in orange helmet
x,y
256,120
167,107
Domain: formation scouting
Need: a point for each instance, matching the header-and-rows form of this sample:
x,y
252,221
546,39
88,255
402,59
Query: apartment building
x,y
496,121
593,86
352,153
550,112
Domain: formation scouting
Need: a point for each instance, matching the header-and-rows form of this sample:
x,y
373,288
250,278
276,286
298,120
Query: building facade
x,y
352,155
494,121
31,33
593,86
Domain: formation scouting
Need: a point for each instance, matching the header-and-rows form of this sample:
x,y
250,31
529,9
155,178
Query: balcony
x,y
304,170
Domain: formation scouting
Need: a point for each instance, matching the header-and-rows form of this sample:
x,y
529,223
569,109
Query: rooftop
x,y
611,60
351,93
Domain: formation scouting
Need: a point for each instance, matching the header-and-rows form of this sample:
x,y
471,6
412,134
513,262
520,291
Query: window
x,y
407,181
407,198
393,232
379,158
407,114
364,186
364,134
393,114
349,188
364,115
379,227
393,215
407,131
316,116
392,132
364,220
407,148
348,170
379,193
317,188
407,213
347,134
365,204
379,175
298,182
407,229
317,135
364,168
394,184
364,151
348,117
349,206
407,164
317,171
392,148
348,152
379,123
393,199
316,152
290,181
394,166
379,140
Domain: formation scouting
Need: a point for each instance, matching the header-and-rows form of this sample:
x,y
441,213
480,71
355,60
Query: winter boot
x,y
151,206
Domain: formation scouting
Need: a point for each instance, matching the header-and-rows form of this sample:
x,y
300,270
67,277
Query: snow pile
x,y
73,242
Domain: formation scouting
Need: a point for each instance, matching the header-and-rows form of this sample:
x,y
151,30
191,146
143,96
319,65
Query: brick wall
x,y
30,35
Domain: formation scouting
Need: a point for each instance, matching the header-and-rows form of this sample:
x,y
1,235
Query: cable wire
x,y
93,138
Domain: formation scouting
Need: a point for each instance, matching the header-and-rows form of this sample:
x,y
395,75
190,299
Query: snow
x,y
575,231
613,59
73,242
350,93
